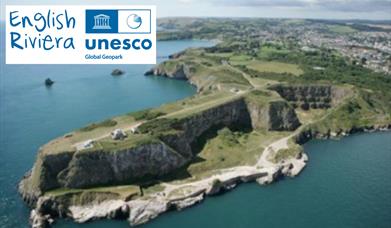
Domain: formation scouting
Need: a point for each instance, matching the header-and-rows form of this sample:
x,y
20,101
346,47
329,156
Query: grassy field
x,y
310,115
271,66
239,59
123,191
193,109
229,149
288,153
341,29
268,51
94,130
276,67
359,111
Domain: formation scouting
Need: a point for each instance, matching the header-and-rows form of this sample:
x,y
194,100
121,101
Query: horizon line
x,y
255,17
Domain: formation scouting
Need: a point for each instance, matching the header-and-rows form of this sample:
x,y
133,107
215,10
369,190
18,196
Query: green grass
x,y
359,111
228,76
68,142
267,52
238,59
341,29
275,67
124,189
98,194
284,154
229,149
132,141
220,55
261,97
196,109
170,65
106,123
147,114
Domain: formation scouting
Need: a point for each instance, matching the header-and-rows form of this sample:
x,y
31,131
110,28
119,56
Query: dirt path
x,y
80,145
245,75
262,163
273,147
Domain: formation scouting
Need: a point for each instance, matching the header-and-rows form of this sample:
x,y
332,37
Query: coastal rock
x,y
141,211
308,134
49,82
187,201
39,221
117,72
43,175
272,174
294,166
179,71
106,209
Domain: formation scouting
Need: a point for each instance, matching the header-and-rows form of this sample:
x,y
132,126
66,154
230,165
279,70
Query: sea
x,y
347,182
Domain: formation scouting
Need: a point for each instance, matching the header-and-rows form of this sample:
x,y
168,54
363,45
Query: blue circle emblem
x,y
134,21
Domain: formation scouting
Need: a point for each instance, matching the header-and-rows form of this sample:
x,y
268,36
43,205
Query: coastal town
x,y
369,49
366,44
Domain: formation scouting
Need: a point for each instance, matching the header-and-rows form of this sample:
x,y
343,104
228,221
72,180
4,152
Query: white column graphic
x,y
101,21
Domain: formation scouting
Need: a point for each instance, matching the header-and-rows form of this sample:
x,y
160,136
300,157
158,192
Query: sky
x,y
322,9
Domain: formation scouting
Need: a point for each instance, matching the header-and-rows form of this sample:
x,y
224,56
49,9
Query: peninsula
x,y
261,93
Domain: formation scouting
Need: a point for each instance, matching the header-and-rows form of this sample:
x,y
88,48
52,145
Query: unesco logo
x,y
80,34
127,21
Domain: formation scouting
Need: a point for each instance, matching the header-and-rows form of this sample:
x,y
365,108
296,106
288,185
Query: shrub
x,y
147,114
106,123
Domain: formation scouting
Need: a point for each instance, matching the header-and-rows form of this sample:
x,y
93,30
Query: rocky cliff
x,y
172,147
98,168
178,71
276,116
311,96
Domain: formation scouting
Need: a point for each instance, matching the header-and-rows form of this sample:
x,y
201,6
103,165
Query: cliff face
x,y
43,175
93,168
179,71
311,96
276,116
233,114
119,167
84,169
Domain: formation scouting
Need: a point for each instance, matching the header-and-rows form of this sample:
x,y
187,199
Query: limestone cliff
x,y
171,148
99,168
311,96
277,116
178,71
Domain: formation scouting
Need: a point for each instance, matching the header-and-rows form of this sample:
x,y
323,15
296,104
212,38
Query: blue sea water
x,y
31,114
347,183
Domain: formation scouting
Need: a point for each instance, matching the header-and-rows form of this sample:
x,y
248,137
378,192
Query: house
x,y
118,134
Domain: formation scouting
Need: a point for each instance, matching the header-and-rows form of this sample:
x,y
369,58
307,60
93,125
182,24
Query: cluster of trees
x,y
328,65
